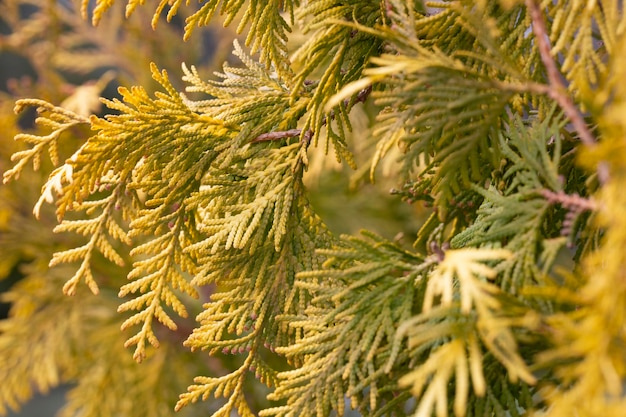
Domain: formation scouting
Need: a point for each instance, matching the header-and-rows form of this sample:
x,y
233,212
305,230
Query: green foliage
x,y
362,292
506,122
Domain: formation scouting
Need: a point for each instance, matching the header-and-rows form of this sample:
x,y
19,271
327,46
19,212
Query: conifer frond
x,y
516,217
241,205
252,100
106,225
251,289
156,278
252,79
255,288
509,213
229,386
467,265
492,37
431,379
55,118
442,102
366,288
461,312
258,232
165,126
454,94
482,386
268,29
584,33
335,45
454,120
144,128
487,36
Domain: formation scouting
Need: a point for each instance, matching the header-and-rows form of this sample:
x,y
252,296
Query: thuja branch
x,y
56,118
557,90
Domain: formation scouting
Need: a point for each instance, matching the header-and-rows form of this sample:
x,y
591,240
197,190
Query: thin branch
x,y
526,87
557,89
572,202
271,136
575,206
284,134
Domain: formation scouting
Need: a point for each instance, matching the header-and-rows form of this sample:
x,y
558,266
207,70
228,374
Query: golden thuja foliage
x,y
506,124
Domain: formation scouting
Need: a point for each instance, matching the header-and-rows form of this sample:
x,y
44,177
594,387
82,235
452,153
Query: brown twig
x,y
291,133
271,136
575,206
557,86
572,202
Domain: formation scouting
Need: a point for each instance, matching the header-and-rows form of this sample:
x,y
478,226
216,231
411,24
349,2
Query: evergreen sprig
x,y
53,117
365,288
99,229
518,214
342,52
